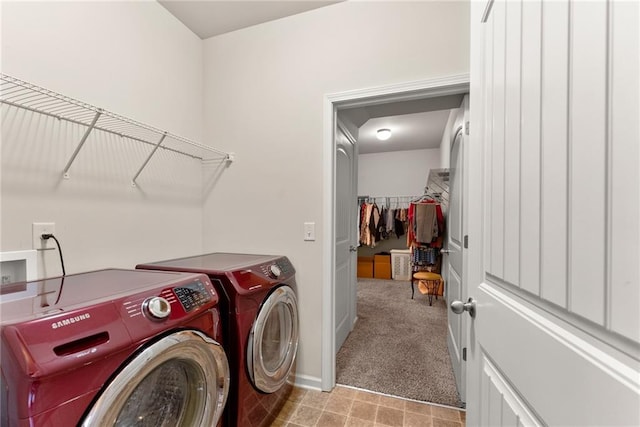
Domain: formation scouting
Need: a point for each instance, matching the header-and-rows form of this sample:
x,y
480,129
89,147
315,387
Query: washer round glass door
x,y
180,380
273,342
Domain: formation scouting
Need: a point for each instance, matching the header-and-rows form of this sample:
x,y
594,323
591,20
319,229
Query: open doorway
x,y
440,98
399,339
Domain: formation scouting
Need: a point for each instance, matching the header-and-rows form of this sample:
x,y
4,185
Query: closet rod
x,y
387,197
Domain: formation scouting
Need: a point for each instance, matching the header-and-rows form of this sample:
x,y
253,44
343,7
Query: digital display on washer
x,y
192,295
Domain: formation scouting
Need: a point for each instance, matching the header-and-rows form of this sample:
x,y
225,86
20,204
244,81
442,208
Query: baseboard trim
x,y
308,382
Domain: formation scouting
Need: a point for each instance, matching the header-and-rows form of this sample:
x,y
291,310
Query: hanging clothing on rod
x,y
426,223
370,218
424,256
390,221
382,217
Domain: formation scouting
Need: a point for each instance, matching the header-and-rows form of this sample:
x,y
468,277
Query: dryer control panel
x,y
192,295
279,269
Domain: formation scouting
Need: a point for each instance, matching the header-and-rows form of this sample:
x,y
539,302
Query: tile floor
x,y
346,406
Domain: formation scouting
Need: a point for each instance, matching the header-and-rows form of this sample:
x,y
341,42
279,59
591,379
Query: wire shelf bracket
x,y
21,94
133,181
65,172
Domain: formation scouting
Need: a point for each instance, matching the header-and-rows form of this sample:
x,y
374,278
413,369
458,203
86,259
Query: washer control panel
x,y
156,308
192,295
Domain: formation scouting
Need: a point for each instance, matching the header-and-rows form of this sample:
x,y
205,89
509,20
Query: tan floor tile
x,y
439,422
338,404
349,407
417,407
305,416
344,391
357,422
316,399
297,394
363,410
389,416
287,410
445,413
416,420
365,396
328,419
391,402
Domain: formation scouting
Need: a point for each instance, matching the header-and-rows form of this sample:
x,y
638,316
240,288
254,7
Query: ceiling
x,y
414,125
409,132
211,18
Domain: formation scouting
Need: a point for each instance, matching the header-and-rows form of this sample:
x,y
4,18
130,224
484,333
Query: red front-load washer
x,y
259,311
112,347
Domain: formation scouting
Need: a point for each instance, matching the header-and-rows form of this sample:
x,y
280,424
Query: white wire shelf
x,y
438,186
18,93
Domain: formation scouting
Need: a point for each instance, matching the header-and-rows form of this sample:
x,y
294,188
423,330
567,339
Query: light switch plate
x,y
309,231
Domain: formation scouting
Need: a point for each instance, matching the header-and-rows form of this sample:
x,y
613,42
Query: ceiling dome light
x,y
383,134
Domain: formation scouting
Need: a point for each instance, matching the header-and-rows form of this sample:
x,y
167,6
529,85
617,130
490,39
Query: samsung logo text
x,y
70,321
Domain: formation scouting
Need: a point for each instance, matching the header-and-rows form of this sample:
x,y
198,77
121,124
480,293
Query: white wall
x,y
264,94
132,58
396,173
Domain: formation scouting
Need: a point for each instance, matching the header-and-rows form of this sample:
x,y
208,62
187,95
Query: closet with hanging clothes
x,y
382,225
425,235
381,218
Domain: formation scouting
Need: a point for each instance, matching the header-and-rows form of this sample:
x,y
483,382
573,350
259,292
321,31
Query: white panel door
x,y
453,255
554,214
345,251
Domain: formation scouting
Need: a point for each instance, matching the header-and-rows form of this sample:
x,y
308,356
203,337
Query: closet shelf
x,y
18,93
438,186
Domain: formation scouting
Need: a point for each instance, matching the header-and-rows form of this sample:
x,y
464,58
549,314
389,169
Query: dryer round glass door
x,y
180,380
273,342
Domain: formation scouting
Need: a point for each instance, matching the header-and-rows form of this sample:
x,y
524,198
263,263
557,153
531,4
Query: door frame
x,y
408,91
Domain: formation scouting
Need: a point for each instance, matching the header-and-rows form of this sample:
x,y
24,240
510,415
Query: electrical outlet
x,y
40,228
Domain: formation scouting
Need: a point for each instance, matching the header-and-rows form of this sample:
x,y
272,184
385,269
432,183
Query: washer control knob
x,y
275,271
156,308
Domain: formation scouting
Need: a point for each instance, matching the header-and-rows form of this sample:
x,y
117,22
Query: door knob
x,y
352,248
458,307
445,251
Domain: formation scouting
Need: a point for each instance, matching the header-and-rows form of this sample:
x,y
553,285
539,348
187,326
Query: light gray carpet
x,y
399,345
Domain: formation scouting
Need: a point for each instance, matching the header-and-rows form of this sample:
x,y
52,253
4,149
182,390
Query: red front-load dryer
x,y
259,311
112,347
